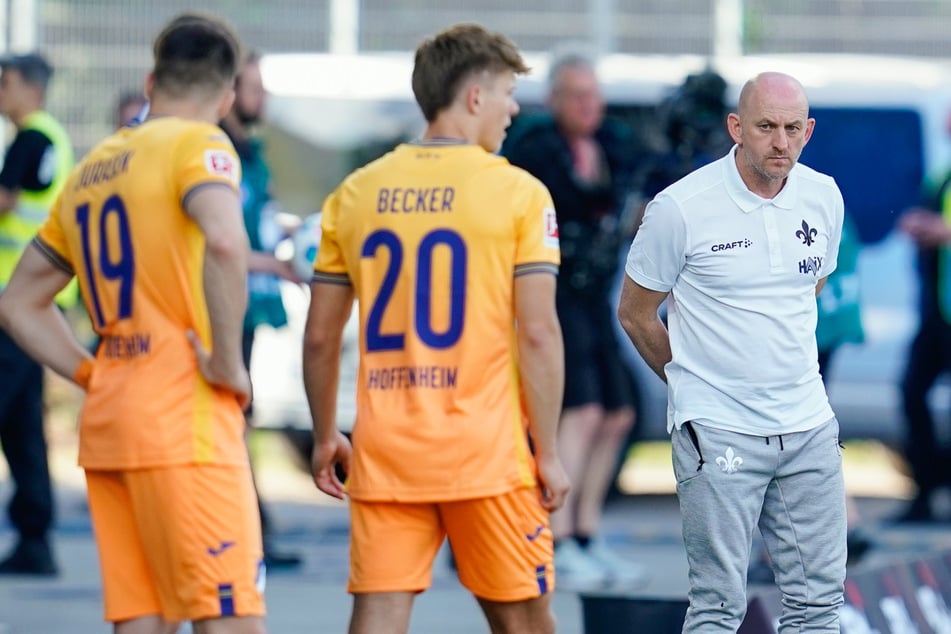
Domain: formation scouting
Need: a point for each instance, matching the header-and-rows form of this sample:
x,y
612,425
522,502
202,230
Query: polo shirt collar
x,y
746,200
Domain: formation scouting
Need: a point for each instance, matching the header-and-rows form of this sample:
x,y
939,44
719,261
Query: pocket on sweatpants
x,y
686,453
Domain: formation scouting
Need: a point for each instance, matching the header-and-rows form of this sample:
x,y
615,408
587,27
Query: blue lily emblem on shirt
x,y
806,234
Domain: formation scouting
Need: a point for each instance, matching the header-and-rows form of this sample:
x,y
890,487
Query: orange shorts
x,y
502,545
181,542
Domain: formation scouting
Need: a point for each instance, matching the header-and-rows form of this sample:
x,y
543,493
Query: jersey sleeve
x,y
537,249
330,266
51,240
205,157
658,253
835,234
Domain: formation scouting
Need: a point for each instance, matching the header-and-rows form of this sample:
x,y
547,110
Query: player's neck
x,y
448,130
183,109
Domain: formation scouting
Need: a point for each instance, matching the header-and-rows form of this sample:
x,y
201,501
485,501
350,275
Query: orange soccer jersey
x,y
120,226
431,237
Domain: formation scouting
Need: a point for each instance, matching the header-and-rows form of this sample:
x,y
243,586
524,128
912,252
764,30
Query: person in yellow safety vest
x,y
34,170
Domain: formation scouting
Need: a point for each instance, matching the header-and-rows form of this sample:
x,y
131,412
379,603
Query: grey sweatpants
x,y
791,486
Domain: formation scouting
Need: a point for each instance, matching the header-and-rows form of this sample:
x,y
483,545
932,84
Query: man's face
x,y
498,106
12,91
771,130
576,101
250,95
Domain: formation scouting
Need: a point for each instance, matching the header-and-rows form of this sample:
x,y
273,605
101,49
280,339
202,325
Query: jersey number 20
x,y
376,339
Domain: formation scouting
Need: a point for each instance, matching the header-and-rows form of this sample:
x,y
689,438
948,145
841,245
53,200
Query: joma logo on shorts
x,y
214,552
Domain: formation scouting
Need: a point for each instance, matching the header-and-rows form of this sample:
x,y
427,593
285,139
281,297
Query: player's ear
x,y
224,106
473,97
149,85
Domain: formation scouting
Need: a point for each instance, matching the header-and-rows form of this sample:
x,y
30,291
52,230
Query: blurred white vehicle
x,y
881,128
277,374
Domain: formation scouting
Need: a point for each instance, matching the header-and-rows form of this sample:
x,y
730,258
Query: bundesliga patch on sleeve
x,y
550,222
221,163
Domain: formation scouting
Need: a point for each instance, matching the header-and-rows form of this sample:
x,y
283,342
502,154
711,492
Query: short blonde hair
x,y
449,57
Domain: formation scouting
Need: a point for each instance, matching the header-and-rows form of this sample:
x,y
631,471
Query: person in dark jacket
x,y
587,162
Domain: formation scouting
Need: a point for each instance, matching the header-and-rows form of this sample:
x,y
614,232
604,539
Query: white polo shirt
x,y
742,272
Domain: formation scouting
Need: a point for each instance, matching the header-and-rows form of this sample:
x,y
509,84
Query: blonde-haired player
x,y
452,255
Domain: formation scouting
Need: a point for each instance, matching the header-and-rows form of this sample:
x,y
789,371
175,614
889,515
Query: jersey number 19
x,y
115,262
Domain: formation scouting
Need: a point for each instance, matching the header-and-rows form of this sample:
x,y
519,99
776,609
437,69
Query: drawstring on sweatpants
x,y
780,436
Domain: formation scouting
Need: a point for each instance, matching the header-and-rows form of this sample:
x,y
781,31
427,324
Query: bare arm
x,y
637,311
29,315
330,306
261,262
217,210
541,360
821,283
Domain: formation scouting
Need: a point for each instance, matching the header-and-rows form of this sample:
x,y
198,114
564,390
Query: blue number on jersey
x,y
376,341
121,269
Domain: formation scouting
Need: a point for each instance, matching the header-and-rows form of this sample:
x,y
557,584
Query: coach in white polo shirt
x,y
741,248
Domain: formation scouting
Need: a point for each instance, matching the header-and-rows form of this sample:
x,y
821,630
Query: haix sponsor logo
x,y
810,265
745,243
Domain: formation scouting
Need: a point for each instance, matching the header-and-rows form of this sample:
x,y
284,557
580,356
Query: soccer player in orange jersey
x,y
452,255
150,223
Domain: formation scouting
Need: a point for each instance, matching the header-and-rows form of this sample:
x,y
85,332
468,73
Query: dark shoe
x,y
30,557
277,560
858,543
918,512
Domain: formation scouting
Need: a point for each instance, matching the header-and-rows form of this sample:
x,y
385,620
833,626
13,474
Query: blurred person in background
x,y
129,108
587,162
839,323
694,135
265,306
929,358
34,171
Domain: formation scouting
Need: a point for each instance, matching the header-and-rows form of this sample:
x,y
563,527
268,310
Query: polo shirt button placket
x,y
772,238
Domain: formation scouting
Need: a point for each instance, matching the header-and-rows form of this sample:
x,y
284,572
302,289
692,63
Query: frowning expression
x,y
771,128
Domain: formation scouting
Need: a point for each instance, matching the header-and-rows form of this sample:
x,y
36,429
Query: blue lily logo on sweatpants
x,y
729,462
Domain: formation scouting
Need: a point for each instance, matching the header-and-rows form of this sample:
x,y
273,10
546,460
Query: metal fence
x,y
102,47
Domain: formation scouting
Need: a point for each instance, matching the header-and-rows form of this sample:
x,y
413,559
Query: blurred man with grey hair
x,y
587,162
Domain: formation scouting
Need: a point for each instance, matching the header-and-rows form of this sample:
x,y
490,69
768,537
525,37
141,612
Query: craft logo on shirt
x,y
221,163
551,228
745,243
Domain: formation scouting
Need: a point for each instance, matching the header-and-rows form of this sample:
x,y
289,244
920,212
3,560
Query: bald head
x,y
772,87
770,128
